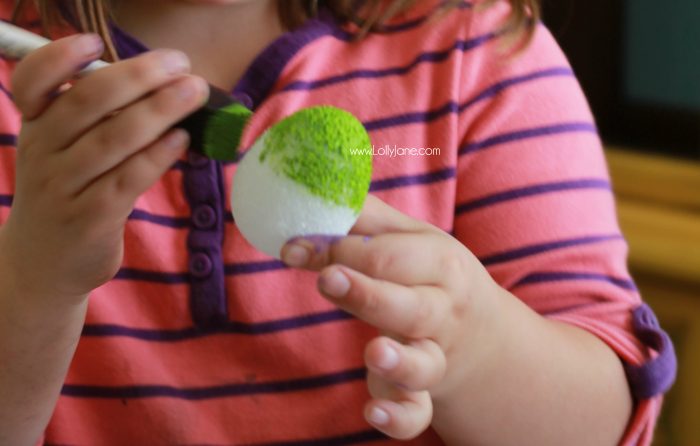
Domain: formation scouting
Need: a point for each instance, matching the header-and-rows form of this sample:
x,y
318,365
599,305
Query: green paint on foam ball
x,y
315,146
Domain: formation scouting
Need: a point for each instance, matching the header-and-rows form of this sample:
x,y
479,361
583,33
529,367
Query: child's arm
x,y
38,335
542,382
83,158
470,357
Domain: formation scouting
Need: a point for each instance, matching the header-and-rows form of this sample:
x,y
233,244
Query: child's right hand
x,y
84,156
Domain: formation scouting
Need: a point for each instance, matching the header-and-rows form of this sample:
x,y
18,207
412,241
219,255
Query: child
x,y
523,327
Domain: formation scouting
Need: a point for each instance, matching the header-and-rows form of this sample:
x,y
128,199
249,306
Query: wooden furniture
x,y
659,210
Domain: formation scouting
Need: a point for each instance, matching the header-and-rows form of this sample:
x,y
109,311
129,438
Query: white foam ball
x,y
270,208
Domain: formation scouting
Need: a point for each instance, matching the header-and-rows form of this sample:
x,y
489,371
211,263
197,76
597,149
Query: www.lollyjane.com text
x,y
393,151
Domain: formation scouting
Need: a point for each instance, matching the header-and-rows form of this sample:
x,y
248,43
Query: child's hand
x,y
85,155
421,288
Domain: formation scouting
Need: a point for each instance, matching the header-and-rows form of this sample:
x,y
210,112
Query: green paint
x,y
313,147
223,132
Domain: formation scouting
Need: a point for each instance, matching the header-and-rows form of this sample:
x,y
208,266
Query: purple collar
x,y
261,76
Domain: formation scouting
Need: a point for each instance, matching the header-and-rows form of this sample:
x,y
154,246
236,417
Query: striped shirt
x,y
201,339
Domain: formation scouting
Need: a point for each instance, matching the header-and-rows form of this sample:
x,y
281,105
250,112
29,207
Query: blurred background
x,y
639,63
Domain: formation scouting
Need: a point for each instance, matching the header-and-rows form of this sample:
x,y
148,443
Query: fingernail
x,y
192,87
57,92
334,283
378,417
89,45
84,65
388,358
175,139
175,62
296,255
320,242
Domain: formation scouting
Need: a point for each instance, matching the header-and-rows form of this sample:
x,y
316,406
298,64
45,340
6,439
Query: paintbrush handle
x,y
16,43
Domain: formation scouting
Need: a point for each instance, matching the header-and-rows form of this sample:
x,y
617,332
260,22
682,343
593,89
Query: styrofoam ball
x,y
307,175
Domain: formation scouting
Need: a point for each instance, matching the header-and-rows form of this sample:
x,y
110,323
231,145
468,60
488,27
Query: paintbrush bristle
x,y
216,128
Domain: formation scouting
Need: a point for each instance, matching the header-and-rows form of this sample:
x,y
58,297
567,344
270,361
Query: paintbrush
x,y
215,129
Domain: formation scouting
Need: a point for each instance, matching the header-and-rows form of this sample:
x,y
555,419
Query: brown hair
x,y
92,15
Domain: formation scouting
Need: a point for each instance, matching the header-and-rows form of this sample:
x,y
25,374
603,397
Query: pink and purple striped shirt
x,y
200,339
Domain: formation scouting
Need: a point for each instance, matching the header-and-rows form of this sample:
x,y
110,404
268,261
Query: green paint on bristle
x,y
224,130
314,147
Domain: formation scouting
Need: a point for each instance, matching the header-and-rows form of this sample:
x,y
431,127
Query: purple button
x,y
197,160
200,265
204,217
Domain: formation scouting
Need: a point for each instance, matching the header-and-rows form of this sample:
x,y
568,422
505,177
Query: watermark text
x,y
395,151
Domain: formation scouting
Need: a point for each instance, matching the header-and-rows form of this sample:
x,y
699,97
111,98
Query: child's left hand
x,y
428,294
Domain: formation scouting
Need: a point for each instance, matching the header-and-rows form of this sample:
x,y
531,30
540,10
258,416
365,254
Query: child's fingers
x,y
43,71
101,93
116,139
422,258
410,312
419,365
115,192
403,418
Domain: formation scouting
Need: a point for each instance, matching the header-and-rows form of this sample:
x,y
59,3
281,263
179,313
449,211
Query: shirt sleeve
x,y
535,205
